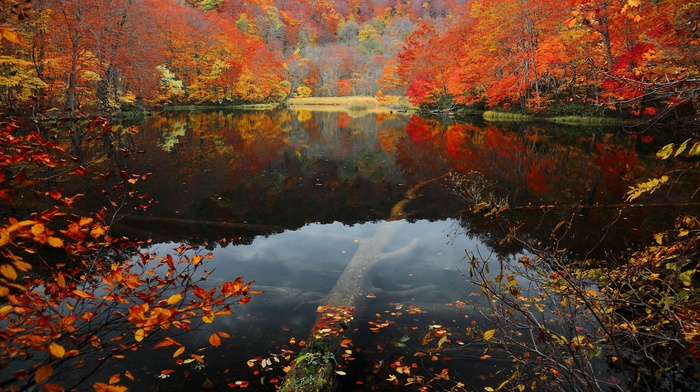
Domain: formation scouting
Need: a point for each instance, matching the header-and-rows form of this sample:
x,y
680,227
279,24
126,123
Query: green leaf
x,y
682,148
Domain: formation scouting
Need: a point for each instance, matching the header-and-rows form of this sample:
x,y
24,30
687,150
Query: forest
x,y
639,57
75,294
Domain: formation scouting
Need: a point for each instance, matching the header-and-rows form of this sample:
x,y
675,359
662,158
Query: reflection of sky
x,y
329,248
297,269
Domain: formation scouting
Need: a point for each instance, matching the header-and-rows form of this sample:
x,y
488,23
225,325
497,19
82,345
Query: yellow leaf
x,y
139,334
633,3
214,340
179,352
55,242
175,298
695,150
666,151
43,373
5,309
208,318
38,229
57,350
197,259
489,334
8,271
659,237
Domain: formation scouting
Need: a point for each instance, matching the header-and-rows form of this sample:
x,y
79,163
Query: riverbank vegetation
x,y
635,58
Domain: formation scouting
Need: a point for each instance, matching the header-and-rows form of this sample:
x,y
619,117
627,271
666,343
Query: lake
x,y
286,198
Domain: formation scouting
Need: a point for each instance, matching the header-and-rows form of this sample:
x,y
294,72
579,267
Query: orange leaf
x,y
52,388
61,281
197,259
8,271
102,387
129,375
115,379
57,350
83,294
198,358
56,242
43,373
7,32
223,335
166,342
179,352
139,334
214,340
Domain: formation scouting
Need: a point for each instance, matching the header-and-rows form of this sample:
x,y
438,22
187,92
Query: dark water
x,y
294,194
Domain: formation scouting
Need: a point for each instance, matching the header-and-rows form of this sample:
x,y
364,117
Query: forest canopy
x,y
641,56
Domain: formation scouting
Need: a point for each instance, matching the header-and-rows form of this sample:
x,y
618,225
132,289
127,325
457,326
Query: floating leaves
x,y
43,373
56,350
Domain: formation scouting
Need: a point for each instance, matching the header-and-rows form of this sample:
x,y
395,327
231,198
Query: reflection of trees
x,y
282,168
548,176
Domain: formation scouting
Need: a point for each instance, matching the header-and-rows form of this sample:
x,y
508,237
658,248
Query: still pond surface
x,y
294,193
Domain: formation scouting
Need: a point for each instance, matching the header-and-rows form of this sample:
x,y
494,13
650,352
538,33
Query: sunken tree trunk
x,y
315,369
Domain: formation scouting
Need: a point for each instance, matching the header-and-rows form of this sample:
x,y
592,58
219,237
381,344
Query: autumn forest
x,y
505,200
639,56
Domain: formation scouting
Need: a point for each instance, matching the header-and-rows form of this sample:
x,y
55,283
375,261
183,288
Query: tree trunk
x,y
314,370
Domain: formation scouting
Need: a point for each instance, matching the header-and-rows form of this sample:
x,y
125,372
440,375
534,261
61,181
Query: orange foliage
x,y
94,298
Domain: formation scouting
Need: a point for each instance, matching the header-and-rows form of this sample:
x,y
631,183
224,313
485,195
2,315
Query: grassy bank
x,y
350,104
491,115
260,106
496,116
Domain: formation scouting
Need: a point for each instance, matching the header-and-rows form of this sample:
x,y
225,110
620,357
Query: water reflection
x,y
297,269
251,173
284,198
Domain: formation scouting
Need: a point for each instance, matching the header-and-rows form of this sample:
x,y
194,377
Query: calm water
x,y
295,193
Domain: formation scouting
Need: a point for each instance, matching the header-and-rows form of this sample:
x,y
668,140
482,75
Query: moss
x,y
313,370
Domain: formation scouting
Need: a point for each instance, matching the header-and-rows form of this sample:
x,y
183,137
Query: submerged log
x,y
314,370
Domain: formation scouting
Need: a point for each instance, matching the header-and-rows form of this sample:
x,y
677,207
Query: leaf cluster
x,y
100,298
